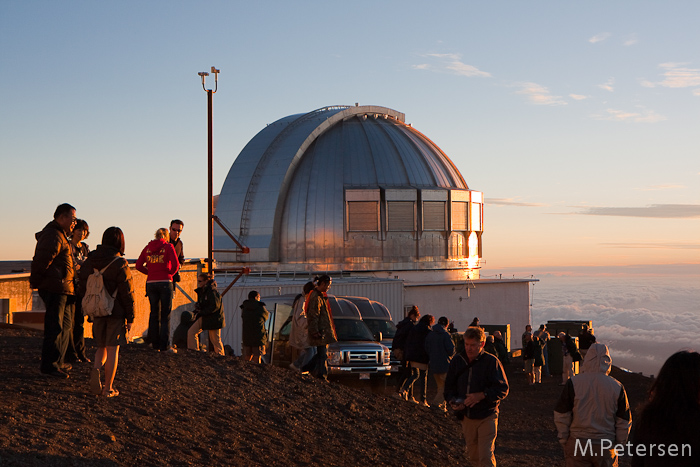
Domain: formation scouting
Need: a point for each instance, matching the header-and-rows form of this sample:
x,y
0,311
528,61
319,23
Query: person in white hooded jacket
x,y
593,414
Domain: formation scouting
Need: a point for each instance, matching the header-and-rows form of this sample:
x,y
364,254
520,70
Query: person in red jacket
x,y
159,261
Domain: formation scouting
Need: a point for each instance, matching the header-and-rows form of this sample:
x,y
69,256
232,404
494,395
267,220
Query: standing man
x,y
585,339
571,355
53,273
543,335
501,349
398,346
254,333
176,226
528,331
440,349
593,414
475,385
524,340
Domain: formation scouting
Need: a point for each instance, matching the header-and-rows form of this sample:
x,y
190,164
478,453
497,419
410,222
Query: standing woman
x,y
417,357
159,262
672,416
320,326
299,335
76,343
110,331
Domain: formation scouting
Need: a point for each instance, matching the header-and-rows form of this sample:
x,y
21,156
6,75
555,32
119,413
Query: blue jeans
x,y
58,326
160,296
416,374
321,368
305,357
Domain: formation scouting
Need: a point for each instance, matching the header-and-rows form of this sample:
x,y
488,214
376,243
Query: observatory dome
x,y
348,188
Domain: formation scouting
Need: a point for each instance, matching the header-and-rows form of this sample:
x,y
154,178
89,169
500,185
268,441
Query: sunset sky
x,y
579,121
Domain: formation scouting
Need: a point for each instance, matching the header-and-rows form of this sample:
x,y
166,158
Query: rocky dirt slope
x,y
195,409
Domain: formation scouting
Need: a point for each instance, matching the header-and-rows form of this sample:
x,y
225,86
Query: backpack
x,y
97,302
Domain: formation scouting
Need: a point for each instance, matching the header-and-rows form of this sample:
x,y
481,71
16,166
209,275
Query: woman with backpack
x,y
109,332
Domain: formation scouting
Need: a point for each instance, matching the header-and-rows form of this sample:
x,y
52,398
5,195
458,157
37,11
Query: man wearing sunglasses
x,y
176,226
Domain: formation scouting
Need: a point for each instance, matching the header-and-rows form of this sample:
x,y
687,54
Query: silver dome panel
x,y
285,194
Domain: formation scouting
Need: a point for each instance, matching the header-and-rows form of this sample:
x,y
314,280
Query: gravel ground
x,y
195,409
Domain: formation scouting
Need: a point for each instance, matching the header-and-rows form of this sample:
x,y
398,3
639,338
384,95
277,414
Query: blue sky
x,y
578,121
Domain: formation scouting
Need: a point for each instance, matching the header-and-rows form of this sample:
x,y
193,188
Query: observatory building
x,y
357,192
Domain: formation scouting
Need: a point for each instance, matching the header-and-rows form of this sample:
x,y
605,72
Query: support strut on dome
x,y
241,249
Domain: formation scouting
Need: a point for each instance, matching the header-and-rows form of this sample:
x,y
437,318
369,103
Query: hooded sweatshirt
x,y
594,405
159,261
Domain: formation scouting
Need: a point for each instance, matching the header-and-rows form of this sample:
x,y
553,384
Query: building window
x,y
401,216
434,215
476,216
460,213
363,216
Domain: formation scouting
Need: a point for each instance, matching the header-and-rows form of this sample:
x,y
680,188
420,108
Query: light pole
x,y
210,198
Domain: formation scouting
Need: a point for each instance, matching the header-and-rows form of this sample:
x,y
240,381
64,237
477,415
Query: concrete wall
x,y
16,288
492,301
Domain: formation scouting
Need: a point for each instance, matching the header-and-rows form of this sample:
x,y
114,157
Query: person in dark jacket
x,y
585,339
440,348
176,227
475,385
209,315
534,359
180,333
254,314
109,332
53,274
403,328
501,349
490,346
418,358
544,337
76,344
668,429
571,355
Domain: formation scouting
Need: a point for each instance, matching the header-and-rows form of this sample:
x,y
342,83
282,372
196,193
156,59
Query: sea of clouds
x,y
642,319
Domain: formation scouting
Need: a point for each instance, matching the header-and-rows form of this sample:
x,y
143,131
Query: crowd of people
x,y
592,415
62,270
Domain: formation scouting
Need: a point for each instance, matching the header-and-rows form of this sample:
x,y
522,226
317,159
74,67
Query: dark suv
x,y
378,319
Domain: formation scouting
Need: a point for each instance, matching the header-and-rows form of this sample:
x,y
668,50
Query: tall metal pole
x,y
210,161
210,197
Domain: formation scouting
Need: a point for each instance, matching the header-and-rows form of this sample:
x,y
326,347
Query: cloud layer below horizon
x,y
642,320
